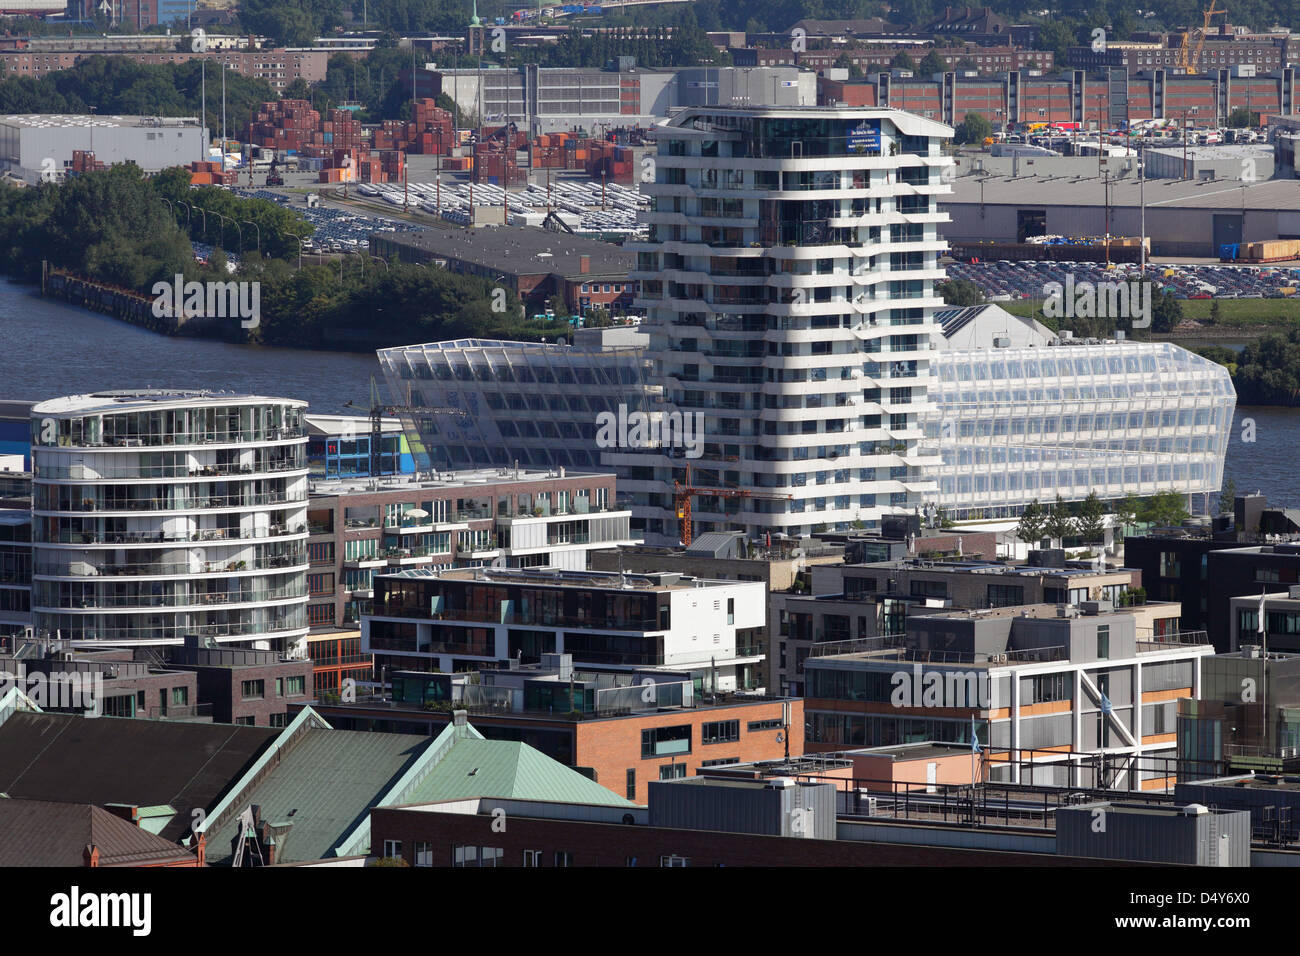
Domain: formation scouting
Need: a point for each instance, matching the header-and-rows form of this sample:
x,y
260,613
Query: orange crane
x,y
1189,59
683,493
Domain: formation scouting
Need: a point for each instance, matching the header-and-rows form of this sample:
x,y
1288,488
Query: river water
x,y
56,349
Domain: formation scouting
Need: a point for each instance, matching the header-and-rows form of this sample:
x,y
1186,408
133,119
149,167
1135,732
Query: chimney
x,y
584,264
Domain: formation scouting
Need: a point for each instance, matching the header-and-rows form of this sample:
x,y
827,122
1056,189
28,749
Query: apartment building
x,y
1247,715
856,601
1041,686
162,514
463,619
621,728
788,280
514,518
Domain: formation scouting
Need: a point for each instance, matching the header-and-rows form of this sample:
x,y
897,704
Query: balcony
x,y
168,537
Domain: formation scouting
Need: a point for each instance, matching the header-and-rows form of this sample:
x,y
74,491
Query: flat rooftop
x,y
441,480
1266,196
543,577
140,399
97,120
983,567
520,250
1250,782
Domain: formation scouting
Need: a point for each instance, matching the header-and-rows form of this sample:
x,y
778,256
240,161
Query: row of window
x,y
494,856
668,741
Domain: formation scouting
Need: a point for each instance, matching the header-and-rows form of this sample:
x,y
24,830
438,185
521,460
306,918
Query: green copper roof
x,y
502,768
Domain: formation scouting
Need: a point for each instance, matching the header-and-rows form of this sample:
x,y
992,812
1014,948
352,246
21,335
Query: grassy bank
x,y
1251,317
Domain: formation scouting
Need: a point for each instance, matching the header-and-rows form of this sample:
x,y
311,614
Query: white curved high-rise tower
x,y
160,514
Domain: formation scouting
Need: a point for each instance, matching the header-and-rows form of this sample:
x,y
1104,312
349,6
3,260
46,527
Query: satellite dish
x,y
499,562
629,819
780,738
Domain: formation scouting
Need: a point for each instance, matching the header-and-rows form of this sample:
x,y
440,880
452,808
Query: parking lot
x,y
336,230
1004,280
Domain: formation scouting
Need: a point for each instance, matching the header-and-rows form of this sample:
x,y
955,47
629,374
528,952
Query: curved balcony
x,y
77,539
151,569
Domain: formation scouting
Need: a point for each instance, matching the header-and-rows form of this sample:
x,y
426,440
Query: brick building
x,y
458,519
621,730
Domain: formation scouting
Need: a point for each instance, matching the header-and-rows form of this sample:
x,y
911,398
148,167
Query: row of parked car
x,y
1004,280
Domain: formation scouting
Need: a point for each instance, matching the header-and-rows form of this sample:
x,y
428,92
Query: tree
x,y
1091,522
1216,312
845,62
933,63
961,292
1127,511
1227,497
1059,524
1166,313
902,61
1242,117
974,128
1032,527
1165,508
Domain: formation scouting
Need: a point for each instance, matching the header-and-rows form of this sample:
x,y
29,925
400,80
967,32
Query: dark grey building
x,y
1194,835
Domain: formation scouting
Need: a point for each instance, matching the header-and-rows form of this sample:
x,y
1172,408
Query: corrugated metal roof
x,y
502,768
324,785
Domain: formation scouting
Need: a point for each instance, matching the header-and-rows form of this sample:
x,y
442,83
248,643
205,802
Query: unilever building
x,y
792,322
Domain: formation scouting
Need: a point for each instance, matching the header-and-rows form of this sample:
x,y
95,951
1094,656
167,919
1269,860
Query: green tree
x,y
1216,312
1091,521
974,129
902,61
845,62
1241,117
1059,524
1166,509
1166,312
1227,497
961,292
1127,512
933,63
1033,523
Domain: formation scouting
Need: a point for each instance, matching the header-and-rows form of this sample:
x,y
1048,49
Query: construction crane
x,y
683,493
1189,60
378,410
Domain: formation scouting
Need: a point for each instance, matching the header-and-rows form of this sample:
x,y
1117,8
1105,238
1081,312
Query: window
x,y
720,762
252,689
245,721
776,724
662,741
180,696
674,860
1103,642
672,771
295,686
720,732
1006,595
731,610
392,848
424,854
532,858
631,783
563,859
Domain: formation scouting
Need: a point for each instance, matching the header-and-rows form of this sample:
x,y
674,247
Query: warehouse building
x,y
1183,217
33,145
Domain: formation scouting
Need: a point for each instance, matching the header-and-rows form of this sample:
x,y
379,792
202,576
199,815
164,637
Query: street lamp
x,y
259,234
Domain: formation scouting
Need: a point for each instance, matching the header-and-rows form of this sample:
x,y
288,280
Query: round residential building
x,y
161,514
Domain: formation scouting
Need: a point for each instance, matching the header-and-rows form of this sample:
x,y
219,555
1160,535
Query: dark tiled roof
x,y
120,760
45,833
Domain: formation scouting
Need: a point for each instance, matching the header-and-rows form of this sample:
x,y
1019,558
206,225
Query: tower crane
x,y
684,492
378,410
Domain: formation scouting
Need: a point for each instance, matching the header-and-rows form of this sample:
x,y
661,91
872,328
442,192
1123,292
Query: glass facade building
x,y
1115,418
